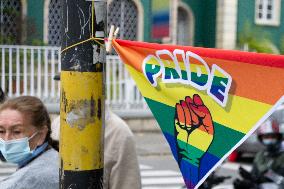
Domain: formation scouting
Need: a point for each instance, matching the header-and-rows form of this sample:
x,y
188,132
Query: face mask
x,y
269,141
15,151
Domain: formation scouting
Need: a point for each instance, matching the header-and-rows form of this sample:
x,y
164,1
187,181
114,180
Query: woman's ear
x,y
42,135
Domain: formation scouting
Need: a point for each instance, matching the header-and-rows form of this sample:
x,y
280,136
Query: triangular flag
x,y
206,101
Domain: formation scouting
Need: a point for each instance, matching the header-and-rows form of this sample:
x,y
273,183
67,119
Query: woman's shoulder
x,y
47,160
43,169
42,172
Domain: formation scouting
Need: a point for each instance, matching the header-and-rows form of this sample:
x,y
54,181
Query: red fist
x,y
192,114
194,128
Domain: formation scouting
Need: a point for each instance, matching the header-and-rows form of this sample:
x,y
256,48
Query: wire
x,y
81,42
92,38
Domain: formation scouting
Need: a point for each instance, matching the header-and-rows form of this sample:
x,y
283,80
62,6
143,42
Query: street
x,y
158,167
159,170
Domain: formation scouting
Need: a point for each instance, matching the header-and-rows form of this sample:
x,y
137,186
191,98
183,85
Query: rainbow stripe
x,y
257,85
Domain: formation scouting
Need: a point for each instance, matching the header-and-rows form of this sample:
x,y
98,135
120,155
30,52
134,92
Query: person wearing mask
x,y
25,130
268,164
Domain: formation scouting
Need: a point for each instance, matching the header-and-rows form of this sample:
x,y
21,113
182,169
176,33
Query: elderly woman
x,y
25,140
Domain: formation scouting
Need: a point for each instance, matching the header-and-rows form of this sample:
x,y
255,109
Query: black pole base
x,y
92,179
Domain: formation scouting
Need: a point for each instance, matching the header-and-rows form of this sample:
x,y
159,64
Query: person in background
x,y
120,163
2,99
25,130
268,163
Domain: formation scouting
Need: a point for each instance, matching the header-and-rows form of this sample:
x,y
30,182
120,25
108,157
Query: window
x,y
267,12
185,25
54,23
124,14
10,21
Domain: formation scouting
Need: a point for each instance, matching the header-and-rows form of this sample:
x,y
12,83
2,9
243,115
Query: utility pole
x,y
82,100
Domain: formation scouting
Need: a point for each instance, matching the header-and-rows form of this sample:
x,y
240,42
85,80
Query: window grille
x,y
267,12
54,23
123,14
10,21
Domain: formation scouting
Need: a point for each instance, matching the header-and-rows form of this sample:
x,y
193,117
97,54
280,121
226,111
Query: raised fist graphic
x,y
194,132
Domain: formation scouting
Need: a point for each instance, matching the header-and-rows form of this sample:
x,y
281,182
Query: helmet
x,y
269,134
269,127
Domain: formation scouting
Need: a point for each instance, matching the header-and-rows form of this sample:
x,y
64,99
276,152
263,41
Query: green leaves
x,y
254,39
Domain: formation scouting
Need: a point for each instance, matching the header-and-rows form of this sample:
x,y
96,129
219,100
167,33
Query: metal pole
x,y
82,94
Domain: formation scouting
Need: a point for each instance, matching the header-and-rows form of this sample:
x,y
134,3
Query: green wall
x,y
35,20
147,19
204,12
209,23
246,10
197,9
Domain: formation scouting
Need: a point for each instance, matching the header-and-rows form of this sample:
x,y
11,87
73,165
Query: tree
x,y
255,40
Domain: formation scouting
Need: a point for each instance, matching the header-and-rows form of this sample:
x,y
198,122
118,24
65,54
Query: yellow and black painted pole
x,y
82,94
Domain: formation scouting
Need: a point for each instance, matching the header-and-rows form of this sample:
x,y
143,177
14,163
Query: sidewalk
x,y
151,144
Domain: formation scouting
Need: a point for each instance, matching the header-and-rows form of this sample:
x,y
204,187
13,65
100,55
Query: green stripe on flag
x,y
195,153
224,137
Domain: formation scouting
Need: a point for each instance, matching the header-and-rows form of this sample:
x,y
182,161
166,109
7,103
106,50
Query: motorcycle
x,y
211,181
269,180
272,181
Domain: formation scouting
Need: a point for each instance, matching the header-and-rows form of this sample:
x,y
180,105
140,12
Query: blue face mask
x,y
15,151
269,141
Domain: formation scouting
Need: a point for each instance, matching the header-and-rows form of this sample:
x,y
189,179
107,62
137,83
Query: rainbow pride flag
x,y
206,101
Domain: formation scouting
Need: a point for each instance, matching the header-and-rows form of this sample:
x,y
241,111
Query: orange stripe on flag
x,y
245,85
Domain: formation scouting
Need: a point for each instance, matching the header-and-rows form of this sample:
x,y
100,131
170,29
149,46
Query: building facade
x,y
206,23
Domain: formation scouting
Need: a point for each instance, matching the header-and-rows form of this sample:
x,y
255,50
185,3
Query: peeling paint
x,y
64,100
93,102
84,150
99,54
99,115
80,116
